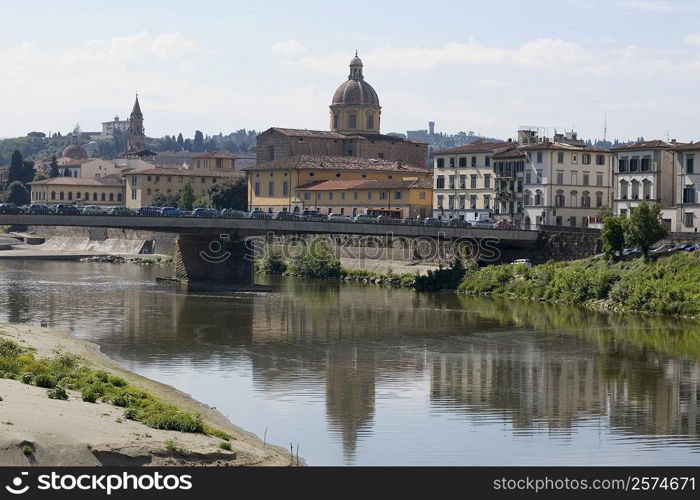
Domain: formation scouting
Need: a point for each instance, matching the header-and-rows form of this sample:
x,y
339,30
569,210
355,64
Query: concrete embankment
x,y
37,430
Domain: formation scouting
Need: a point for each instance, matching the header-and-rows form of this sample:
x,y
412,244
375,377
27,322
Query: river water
x,y
363,375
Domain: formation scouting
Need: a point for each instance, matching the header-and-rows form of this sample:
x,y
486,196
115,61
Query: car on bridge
x,y
339,218
204,212
232,213
93,210
63,209
148,211
460,223
285,215
503,224
37,208
171,212
259,214
432,221
9,208
365,219
120,211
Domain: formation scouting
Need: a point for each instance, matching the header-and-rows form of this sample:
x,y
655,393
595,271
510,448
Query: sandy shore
x,y
75,432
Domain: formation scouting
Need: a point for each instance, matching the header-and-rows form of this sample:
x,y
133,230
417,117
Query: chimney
x,y
673,141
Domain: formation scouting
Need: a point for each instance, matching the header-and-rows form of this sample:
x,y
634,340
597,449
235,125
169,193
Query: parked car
x,y
502,224
432,221
365,219
691,247
484,225
66,210
94,210
663,248
9,208
630,251
284,215
522,262
171,212
459,223
313,215
148,211
120,211
339,218
204,212
259,214
234,214
37,208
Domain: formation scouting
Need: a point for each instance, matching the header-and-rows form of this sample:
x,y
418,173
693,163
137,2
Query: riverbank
x,y
39,430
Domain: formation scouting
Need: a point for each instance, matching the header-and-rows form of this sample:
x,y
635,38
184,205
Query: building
x,y
108,128
687,185
355,130
142,185
106,191
339,184
649,171
464,186
136,135
508,168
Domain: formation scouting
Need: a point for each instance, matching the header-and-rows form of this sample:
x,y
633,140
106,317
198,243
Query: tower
x,y
355,107
136,138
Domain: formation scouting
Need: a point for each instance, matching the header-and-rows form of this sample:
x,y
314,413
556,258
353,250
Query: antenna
x,y
605,127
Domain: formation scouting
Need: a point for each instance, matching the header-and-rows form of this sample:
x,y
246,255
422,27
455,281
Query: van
x,y
522,262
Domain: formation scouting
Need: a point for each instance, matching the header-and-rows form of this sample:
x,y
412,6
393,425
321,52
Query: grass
x,y
28,449
225,445
65,371
666,285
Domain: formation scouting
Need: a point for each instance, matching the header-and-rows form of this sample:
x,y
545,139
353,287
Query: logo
x,y
17,483
215,254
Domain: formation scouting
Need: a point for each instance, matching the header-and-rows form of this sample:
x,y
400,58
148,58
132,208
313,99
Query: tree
x,y
40,176
186,197
201,202
53,168
198,143
165,200
612,235
17,194
230,194
645,227
27,171
15,171
180,142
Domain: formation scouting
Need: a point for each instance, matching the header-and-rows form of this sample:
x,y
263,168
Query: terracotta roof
x,y
560,146
336,163
476,147
107,181
510,153
215,154
381,137
296,132
691,146
341,185
648,145
185,172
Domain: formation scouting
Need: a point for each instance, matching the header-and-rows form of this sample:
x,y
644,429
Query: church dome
x,y
75,151
355,90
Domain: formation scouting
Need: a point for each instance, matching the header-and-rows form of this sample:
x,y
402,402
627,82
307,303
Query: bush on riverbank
x,y
67,371
668,284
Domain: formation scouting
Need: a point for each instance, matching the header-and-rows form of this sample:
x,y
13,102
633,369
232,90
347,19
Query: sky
x,y
488,67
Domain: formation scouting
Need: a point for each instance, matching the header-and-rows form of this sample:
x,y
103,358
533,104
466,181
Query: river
x,y
363,375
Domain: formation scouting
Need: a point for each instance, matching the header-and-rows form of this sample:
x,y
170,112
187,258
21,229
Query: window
x,y
585,200
256,189
181,179
440,199
560,157
473,161
634,164
538,198
585,178
352,120
78,195
369,195
452,162
487,161
688,219
440,182
622,165
624,186
462,202
285,188
421,195
574,178
157,178
70,195
528,178
53,195
307,195
539,177
560,177
335,121
383,195
270,188
370,121
539,157
646,163
133,180
600,159
148,178
462,181
440,163
381,156
451,202
646,189
111,196
689,194
133,194
487,181
462,161
170,178
451,183
355,195
559,199
635,190
472,181
599,199
103,197
526,198
330,195
599,179
94,195
472,202
397,195
586,158
487,201
204,180
61,196
689,164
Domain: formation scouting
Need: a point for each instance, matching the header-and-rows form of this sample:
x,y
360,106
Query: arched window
x,y
87,196
61,196
335,120
559,199
70,195
94,196
624,188
646,189
586,199
526,198
538,198
103,197
635,190
370,121
53,195
352,120
111,196
599,199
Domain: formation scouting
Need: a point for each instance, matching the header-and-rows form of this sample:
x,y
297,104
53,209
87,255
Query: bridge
x,y
203,241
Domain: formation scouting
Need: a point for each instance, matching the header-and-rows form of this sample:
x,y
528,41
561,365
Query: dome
x,y
75,151
355,92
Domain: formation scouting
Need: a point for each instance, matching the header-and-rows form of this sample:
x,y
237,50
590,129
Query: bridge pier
x,y
216,259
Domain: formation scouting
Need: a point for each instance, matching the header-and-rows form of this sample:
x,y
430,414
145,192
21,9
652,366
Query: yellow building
x,y
107,191
142,185
216,161
359,185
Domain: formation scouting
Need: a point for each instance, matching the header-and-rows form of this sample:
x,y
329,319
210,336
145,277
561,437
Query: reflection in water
x,y
391,376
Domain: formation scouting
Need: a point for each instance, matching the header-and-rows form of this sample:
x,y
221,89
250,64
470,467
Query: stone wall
x,y
161,243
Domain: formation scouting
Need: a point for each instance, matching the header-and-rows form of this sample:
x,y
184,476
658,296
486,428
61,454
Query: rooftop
x,y
107,181
185,172
477,147
340,185
654,144
337,163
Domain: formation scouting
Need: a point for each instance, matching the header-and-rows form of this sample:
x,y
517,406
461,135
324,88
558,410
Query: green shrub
x,y
44,380
27,378
90,395
57,393
171,419
225,445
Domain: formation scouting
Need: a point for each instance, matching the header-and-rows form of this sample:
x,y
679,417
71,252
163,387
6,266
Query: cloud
x,y
657,6
290,48
693,39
